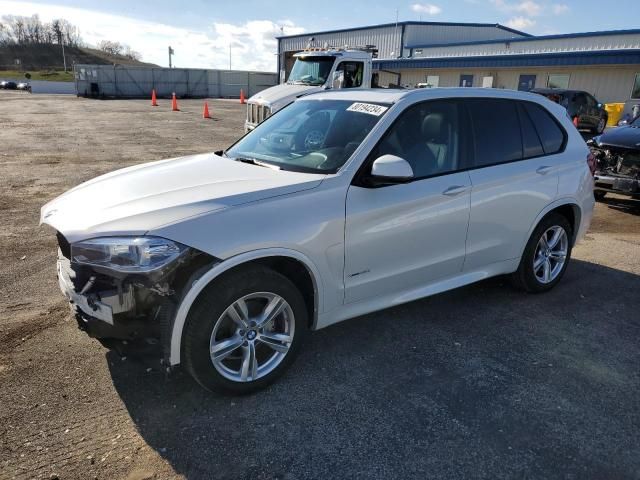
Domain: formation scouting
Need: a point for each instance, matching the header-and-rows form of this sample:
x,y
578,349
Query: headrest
x,y
432,126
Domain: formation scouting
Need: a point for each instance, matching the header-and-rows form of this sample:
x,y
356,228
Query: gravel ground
x,y
481,382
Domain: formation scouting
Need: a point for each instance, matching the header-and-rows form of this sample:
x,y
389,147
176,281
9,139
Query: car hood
x,y
137,199
280,95
625,137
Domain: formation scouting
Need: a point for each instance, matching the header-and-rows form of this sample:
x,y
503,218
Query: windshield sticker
x,y
369,108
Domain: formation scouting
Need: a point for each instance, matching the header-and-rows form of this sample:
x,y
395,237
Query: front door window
x,y
352,74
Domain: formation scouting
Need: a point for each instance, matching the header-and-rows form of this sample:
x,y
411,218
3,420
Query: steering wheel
x,y
313,139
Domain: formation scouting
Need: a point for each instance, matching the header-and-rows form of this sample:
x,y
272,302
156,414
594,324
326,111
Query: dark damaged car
x,y
617,153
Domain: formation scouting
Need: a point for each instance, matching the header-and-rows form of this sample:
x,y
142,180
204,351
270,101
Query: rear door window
x,y
551,134
531,145
496,128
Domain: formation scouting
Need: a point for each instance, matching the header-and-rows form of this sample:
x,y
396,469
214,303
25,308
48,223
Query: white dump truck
x,y
315,69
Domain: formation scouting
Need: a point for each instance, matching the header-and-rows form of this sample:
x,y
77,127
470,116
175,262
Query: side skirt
x,y
397,298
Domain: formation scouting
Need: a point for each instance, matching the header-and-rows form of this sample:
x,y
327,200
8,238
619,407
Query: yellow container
x,y
614,110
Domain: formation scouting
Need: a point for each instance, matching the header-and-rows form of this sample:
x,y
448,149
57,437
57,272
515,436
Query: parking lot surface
x,y
481,382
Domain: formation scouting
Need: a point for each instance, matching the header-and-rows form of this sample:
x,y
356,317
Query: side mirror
x,y
390,169
338,79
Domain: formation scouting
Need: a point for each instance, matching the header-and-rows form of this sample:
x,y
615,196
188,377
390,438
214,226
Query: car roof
x,y
389,95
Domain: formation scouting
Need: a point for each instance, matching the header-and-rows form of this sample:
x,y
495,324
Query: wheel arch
x,y
286,261
566,207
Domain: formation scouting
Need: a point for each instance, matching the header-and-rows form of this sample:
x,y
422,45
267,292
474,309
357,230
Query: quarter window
x,y
427,135
496,128
550,133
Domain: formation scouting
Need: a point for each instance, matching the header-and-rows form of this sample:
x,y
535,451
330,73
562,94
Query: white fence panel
x,y
138,82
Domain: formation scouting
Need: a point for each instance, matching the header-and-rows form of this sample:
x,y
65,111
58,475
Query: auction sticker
x,y
369,108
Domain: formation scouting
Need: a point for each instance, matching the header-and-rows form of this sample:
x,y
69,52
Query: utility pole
x,y
171,52
229,56
64,58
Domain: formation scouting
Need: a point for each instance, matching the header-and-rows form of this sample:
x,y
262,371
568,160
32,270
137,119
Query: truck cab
x,y
315,69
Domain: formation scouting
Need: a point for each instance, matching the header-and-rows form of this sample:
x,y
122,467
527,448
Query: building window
x,y
466,80
433,81
527,83
636,87
558,80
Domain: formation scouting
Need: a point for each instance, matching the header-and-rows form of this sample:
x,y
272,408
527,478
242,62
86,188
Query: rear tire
x,y
542,255
225,348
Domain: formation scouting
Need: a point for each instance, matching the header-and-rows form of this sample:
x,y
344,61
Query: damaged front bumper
x,y
112,306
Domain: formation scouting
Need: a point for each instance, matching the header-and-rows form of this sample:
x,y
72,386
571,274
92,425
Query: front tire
x,y
244,331
546,255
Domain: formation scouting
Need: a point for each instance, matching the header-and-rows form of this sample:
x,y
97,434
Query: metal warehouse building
x,y
606,64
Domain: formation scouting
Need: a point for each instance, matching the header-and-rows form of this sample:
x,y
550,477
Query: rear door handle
x,y
455,190
543,170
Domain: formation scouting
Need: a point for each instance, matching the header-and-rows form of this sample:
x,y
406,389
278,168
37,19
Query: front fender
x,y
194,290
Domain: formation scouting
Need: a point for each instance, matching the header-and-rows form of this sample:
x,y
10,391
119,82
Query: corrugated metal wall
x,y
572,44
607,84
437,34
137,82
386,39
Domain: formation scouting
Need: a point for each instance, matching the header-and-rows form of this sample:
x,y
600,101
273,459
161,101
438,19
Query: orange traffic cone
x,y
205,111
174,103
242,96
154,102
575,121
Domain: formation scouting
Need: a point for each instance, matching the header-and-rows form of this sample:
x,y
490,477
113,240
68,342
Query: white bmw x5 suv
x,y
342,203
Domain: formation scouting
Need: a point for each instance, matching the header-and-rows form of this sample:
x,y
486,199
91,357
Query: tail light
x,y
591,161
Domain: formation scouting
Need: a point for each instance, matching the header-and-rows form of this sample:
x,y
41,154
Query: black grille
x,y
65,248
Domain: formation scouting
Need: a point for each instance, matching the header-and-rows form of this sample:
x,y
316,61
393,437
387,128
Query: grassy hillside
x,y
44,62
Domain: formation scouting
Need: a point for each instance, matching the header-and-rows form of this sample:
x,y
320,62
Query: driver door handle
x,y
543,170
455,190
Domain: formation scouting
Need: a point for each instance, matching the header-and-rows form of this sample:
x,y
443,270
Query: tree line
x,y
19,30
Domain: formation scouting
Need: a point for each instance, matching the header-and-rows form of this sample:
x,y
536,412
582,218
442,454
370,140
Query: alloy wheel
x,y
551,254
252,336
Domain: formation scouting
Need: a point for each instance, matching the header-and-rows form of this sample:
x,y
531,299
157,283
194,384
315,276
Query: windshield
x,y
636,122
311,70
316,136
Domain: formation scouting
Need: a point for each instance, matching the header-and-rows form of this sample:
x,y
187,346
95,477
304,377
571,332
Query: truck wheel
x,y
546,255
244,330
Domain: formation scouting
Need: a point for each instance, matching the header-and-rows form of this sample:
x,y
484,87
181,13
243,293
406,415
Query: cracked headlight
x,y
127,254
